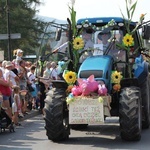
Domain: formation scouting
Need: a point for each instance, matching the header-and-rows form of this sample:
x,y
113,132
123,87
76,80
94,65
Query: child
x,y
38,101
32,80
16,106
18,53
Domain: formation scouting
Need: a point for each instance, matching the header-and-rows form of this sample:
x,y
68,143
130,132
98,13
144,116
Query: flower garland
x,y
71,99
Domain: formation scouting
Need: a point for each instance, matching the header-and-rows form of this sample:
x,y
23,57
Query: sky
x,y
92,8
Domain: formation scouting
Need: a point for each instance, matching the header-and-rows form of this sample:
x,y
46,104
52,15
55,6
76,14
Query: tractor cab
x,y
107,36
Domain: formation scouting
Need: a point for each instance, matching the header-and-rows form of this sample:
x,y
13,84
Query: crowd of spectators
x,y
21,86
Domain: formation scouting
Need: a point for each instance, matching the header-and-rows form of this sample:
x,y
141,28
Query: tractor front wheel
x,y
130,113
56,115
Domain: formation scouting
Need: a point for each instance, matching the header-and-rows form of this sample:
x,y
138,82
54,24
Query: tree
x,y
22,19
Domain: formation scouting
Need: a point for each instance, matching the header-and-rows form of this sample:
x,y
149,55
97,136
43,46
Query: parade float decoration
x,y
102,86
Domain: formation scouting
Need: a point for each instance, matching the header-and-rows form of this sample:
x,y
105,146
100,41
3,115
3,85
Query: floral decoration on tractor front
x,y
79,87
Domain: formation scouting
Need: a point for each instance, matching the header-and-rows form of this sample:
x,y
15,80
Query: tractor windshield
x,y
104,42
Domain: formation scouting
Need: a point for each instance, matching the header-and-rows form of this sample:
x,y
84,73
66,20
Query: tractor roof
x,y
100,21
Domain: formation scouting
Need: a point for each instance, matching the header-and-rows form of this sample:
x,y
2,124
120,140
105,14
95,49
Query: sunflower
x,y
70,77
116,77
128,40
78,43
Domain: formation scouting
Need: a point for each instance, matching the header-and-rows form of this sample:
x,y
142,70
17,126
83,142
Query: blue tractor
x,y
131,103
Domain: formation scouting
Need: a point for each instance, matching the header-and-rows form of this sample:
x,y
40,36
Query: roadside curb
x,y
30,114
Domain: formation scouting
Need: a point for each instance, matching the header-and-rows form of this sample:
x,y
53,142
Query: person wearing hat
x,y
103,42
88,45
9,75
3,65
104,36
87,37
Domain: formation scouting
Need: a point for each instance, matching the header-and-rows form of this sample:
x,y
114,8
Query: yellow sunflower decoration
x,y
116,77
128,40
70,77
78,43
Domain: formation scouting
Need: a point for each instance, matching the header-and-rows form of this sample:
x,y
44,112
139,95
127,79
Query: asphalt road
x,y
32,136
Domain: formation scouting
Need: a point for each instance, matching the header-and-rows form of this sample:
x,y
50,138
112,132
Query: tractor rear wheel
x,y
145,94
56,115
130,113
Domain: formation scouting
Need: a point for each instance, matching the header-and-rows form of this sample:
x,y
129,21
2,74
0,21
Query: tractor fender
x,y
141,69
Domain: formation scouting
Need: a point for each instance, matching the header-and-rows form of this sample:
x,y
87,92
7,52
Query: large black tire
x,y
145,94
130,114
56,115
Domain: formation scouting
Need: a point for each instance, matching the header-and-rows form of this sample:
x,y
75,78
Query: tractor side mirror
x,y
146,32
58,34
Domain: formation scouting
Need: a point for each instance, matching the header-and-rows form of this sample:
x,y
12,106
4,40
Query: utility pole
x,y
8,29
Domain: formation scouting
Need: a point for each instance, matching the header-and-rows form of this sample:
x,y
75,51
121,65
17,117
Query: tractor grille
x,y
87,73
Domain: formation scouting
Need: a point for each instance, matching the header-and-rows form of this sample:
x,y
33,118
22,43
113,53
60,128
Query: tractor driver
x,y
104,36
88,45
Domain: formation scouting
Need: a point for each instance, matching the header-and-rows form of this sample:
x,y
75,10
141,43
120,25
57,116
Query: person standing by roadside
x,y
14,69
46,76
22,74
53,71
32,80
16,106
47,71
10,76
28,65
5,90
3,65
